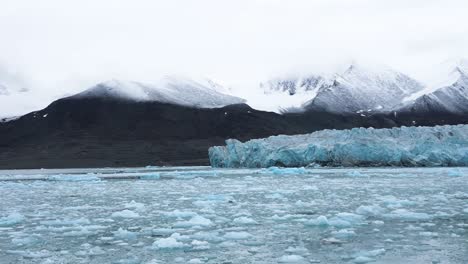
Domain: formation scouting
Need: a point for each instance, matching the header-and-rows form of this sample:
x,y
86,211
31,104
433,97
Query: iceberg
x,y
403,146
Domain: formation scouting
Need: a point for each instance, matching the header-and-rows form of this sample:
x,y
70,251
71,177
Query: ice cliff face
x,y
405,146
170,90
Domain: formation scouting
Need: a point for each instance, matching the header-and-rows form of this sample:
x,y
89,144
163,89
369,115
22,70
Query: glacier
x,y
404,146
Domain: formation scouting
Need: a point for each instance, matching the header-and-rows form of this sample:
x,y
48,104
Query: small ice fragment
x,y
454,173
355,174
152,176
242,235
195,221
135,205
319,221
125,214
244,221
285,171
182,214
169,242
343,233
291,259
11,219
405,215
125,234
200,245
369,210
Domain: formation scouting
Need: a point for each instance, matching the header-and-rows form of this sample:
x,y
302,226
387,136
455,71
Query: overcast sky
x,y
60,46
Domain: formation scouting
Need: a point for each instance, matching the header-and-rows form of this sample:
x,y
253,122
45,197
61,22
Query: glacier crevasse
x,y
404,146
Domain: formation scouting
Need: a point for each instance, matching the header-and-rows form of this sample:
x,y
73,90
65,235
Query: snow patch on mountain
x,y
363,88
172,90
356,89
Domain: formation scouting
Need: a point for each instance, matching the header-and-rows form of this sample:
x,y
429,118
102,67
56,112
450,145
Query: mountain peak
x,y
170,89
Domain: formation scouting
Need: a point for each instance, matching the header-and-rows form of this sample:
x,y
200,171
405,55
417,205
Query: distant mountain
x,y
363,90
450,97
171,90
359,89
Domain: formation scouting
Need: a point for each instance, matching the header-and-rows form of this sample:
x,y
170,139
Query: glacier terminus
x,y
405,146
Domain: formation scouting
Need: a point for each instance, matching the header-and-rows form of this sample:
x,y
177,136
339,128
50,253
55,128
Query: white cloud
x,y
61,46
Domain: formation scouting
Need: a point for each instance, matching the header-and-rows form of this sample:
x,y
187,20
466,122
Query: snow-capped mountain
x,y
172,90
450,97
363,89
289,94
358,89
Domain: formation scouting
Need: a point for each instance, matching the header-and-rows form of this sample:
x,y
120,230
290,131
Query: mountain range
x,y
175,120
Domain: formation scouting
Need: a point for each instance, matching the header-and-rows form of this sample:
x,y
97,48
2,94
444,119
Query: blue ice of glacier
x,y
404,146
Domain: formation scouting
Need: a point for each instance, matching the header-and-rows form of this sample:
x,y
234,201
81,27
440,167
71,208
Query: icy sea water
x,y
204,215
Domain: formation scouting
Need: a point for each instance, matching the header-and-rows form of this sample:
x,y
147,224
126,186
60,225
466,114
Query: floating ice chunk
x,y
391,201
93,251
73,178
135,205
169,243
200,245
125,234
162,231
284,171
319,221
125,214
195,261
26,241
367,256
212,236
180,214
454,173
363,259
405,215
66,222
291,259
402,146
344,234
465,210
11,219
242,235
343,220
429,234
32,254
197,220
355,174
152,176
370,210
297,250
244,221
